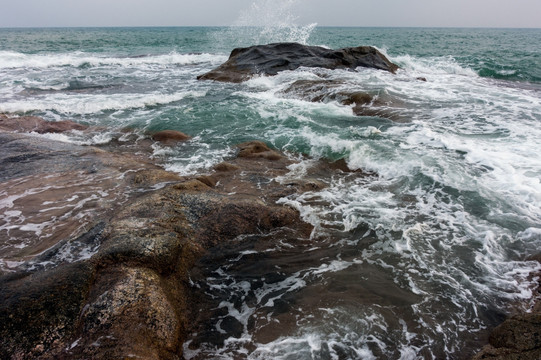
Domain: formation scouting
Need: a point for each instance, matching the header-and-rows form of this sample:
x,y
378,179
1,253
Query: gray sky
x,y
445,13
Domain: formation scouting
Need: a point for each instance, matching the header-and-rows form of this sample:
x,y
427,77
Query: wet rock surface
x,y
519,336
119,287
363,103
118,284
38,125
56,190
170,137
244,63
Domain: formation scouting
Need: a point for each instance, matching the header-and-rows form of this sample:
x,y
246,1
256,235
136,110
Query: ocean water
x,y
417,261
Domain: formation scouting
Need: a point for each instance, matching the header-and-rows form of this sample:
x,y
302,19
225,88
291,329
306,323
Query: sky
x,y
418,13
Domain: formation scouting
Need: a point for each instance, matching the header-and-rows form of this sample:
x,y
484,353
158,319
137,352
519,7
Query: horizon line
x,y
255,26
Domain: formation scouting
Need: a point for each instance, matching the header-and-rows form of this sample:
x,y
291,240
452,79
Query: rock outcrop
x,y
363,103
244,63
519,336
119,286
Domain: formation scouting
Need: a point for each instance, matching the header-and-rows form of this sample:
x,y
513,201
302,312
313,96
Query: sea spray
x,y
264,22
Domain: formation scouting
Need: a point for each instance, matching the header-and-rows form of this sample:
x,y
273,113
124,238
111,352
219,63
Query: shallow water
x,y
415,261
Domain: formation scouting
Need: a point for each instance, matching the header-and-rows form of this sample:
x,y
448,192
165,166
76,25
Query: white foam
x,y
12,60
35,228
530,234
197,159
73,344
432,65
91,104
7,201
13,213
6,265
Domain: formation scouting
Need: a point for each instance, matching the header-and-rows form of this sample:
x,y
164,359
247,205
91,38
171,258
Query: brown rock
x,y
517,338
37,124
491,353
363,104
357,98
535,257
521,332
154,176
192,185
60,127
222,218
257,149
225,167
170,137
38,312
131,297
128,312
319,90
210,181
341,165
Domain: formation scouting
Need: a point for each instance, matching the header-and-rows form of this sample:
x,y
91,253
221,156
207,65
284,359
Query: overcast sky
x,y
423,13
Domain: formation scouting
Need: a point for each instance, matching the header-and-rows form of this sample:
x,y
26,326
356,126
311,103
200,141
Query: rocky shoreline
x,y
131,297
109,276
112,281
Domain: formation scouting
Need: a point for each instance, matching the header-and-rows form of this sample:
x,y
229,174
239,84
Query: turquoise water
x,y
417,261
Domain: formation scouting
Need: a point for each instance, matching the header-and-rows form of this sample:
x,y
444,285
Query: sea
x,y
418,260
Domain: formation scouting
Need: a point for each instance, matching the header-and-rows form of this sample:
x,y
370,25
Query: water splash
x,y
264,22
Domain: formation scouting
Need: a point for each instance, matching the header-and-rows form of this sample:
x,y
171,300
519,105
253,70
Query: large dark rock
x,y
270,59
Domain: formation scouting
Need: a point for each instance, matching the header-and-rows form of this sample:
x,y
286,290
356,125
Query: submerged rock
x,y
170,137
244,63
37,124
363,103
257,149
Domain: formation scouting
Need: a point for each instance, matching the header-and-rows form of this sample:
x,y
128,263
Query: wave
x,y
455,186
92,104
12,60
446,65
511,74
74,86
449,65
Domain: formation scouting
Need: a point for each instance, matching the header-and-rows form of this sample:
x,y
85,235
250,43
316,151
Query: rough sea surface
x,y
415,261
